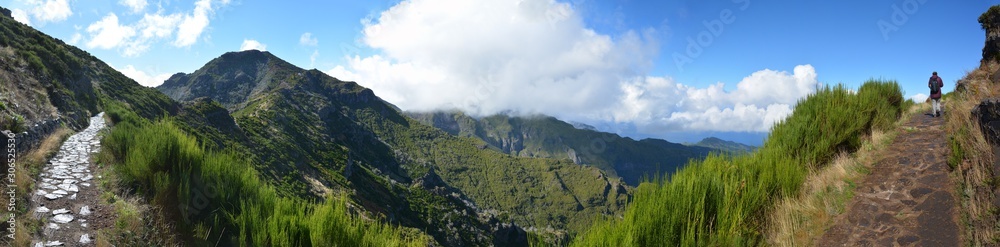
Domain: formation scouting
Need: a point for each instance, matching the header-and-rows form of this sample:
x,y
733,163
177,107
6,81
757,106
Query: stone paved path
x,y
66,194
908,199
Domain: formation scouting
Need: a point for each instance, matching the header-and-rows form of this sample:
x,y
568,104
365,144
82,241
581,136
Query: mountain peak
x,y
248,55
232,79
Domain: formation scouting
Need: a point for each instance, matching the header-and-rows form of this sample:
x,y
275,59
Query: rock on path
x,y
908,199
66,176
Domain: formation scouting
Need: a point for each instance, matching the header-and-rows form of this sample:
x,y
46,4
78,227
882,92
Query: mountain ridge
x,y
344,137
548,137
724,145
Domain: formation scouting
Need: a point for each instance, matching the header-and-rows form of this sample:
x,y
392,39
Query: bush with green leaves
x,y
170,167
723,200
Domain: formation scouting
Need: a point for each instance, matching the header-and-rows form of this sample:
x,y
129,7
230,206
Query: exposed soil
x,y
908,199
67,198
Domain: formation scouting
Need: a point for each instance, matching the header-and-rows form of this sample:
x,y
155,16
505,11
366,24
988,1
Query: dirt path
x,y
908,199
66,198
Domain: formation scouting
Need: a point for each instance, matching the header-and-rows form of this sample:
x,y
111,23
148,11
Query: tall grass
x,y
972,157
724,200
218,197
28,168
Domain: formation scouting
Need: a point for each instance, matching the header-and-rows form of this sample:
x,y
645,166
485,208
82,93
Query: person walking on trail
x,y
935,83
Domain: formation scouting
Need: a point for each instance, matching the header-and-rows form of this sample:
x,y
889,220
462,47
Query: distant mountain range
x,y
312,133
723,145
542,136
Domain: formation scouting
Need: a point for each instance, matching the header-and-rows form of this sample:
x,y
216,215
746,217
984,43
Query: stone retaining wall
x,y
27,140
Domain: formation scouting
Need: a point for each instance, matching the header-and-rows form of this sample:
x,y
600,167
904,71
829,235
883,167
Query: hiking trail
x,y
908,198
67,198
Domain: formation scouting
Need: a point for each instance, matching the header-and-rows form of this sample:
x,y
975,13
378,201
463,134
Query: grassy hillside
x,y
220,190
312,134
547,137
208,190
42,77
722,201
973,157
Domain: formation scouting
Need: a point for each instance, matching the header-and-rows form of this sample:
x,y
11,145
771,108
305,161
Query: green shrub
x,y
13,122
219,190
722,200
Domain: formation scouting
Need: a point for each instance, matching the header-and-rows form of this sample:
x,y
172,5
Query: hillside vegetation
x,y
42,78
547,137
973,158
310,134
723,200
170,167
209,193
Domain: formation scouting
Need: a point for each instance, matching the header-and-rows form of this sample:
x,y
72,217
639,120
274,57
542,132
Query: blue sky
x,y
611,64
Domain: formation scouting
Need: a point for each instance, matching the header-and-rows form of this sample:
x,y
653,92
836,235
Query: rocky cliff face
x,y
990,22
988,115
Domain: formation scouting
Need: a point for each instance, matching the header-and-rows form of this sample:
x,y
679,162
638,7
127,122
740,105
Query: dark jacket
x,y
936,79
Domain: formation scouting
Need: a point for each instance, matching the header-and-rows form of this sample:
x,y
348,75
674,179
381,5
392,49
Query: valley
x,y
253,149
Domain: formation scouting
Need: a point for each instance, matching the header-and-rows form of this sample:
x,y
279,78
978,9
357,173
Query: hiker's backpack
x,y
935,87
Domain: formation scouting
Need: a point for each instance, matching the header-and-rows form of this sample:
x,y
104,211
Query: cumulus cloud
x,y
192,25
313,57
761,99
308,40
107,33
20,16
136,38
521,53
135,5
919,98
537,56
51,10
249,44
143,78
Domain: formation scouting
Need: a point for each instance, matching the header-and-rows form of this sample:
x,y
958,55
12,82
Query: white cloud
x,y
537,56
107,33
75,39
765,97
192,25
150,28
919,98
158,26
135,39
249,44
342,73
51,10
20,16
142,77
135,5
308,40
313,57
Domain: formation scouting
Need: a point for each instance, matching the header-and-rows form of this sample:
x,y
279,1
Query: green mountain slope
x,y
313,133
548,137
42,78
46,83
